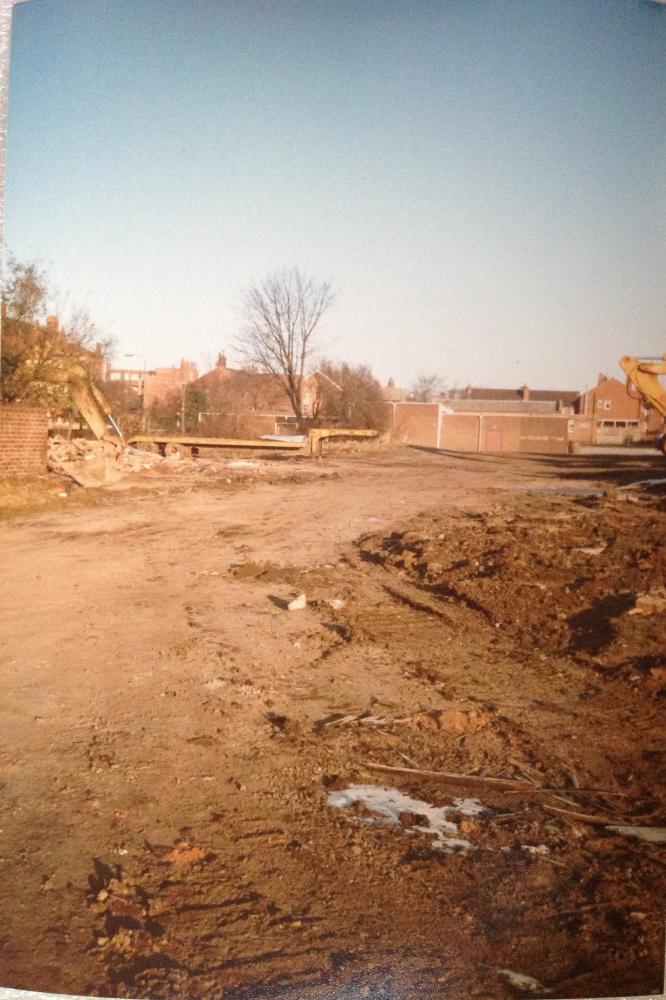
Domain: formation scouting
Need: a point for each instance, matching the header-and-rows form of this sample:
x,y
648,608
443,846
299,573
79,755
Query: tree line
x,y
281,324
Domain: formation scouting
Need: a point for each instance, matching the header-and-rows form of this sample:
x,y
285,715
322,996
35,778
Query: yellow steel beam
x,y
313,443
197,442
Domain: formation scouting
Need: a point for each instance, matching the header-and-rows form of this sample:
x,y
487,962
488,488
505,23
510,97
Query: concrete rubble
x,y
100,463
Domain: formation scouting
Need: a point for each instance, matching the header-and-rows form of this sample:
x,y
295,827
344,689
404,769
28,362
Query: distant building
x,y
154,385
162,382
392,394
521,400
243,402
132,378
607,414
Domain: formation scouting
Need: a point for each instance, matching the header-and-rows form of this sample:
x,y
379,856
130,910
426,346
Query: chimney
x,y
221,360
525,393
391,383
602,378
52,324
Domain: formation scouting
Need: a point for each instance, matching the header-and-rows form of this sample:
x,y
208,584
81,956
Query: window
x,y
607,404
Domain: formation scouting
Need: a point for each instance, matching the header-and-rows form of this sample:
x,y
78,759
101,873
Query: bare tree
x,y
426,388
281,317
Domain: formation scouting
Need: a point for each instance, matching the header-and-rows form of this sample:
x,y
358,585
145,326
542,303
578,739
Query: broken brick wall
x,y
23,440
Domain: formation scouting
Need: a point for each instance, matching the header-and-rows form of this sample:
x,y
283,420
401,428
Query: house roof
x,y
565,396
512,405
601,383
260,391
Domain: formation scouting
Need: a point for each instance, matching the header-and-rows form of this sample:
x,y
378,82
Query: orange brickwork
x,y
23,440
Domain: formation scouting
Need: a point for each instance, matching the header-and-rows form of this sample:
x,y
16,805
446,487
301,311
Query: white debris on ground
x,y
99,463
651,834
527,984
412,815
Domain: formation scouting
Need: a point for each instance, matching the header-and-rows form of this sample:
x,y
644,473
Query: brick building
x,y
479,419
607,414
154,385
393,394
521,400
247,403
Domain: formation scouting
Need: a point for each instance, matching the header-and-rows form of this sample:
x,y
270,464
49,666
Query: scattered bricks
x,y
23,440
98,463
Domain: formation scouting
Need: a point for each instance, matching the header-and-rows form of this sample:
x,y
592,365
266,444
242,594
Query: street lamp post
x,y
141,358
142,385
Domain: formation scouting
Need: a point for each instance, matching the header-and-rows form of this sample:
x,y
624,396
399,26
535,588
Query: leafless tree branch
x,y
282,315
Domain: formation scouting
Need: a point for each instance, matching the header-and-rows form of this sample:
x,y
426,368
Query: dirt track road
x,y
167,758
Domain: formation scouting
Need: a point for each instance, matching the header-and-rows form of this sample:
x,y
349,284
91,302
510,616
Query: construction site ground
x,y
189,802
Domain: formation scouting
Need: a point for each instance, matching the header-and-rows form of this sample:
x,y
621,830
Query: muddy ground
x,y
188,791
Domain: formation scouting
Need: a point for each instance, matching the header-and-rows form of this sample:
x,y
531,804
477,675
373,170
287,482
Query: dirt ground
x,y
189,801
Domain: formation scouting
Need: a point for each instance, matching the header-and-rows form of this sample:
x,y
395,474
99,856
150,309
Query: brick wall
x,y
416,423
23,440
582,429
460,432
429,425
543,435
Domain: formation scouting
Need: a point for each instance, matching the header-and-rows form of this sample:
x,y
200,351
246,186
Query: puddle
x,y
411,815
644,482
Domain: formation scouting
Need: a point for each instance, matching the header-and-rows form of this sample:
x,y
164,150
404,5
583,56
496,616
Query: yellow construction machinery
x,y
93,407
90,402
643,381
187,444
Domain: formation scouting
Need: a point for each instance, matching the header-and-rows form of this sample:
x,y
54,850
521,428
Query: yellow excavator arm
x,y
90,403
643,378
644,374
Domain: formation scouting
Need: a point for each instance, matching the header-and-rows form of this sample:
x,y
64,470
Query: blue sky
x,y
482,181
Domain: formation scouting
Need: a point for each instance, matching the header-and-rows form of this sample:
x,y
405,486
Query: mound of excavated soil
x,y
585,577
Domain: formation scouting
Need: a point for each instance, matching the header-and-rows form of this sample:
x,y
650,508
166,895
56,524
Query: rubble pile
x,y
99,463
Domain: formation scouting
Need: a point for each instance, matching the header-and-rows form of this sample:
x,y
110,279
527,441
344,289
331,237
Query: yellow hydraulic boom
x,y
90,403
643,378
